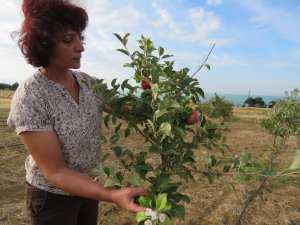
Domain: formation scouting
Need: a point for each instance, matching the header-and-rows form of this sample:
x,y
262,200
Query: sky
x,y
257,41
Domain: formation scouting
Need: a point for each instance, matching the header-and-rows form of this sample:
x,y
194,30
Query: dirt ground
x,y
211,204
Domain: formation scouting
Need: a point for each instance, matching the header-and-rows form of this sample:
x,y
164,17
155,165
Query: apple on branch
x,y
146,83
193,119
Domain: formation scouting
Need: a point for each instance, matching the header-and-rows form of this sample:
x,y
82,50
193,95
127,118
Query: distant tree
x,y
255,102
14,86
284,121
4,86
272,103
217,107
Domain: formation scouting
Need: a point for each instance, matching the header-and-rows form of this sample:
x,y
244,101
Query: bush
x,y
285,118
255,102
218,107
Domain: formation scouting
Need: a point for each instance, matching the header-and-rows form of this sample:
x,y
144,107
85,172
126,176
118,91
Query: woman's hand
x,y
125,198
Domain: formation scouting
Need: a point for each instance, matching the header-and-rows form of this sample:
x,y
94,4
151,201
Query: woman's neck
x,y
57,74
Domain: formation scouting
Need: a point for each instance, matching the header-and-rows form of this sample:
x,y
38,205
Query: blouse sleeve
x,y
28,113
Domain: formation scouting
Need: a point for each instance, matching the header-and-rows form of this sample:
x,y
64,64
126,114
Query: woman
x,y
59,120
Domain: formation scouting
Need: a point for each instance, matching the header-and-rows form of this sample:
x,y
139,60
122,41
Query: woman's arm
x,y
45,149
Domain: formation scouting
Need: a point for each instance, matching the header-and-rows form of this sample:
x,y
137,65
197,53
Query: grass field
x,y
211,204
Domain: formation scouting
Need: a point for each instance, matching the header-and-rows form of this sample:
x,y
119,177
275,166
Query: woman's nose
x,y
80,46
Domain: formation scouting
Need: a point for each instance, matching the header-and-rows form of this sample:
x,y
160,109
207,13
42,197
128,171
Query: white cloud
x,y
10,21
104,15
195,25
286,23
204,24
213,2
165,19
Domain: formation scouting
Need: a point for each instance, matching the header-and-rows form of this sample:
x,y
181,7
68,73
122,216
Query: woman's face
x,y
67,52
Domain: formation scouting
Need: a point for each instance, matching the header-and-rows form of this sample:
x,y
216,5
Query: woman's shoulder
x,y
30,86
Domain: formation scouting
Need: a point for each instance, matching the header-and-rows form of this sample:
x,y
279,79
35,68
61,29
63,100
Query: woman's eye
x,y
67,39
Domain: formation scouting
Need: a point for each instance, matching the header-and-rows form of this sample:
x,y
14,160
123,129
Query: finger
x,y
139,191
134,208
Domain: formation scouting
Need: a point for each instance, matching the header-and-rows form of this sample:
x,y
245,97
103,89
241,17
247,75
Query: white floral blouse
x,y
40,104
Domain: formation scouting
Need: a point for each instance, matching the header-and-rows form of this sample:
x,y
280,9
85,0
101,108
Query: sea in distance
x,y
239,99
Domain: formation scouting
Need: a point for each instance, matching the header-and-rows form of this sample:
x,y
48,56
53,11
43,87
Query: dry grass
x,y
211,204
6,93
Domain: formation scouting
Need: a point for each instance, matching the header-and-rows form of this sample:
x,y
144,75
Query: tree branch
x,y
204,62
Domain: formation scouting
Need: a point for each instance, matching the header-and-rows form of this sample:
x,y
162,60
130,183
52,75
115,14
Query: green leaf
x,y
123,51
115,138
172,104
165,128
134,179
211,161
112,168
154,149
145,201
178,210
161,202
159,113
180,197
103,138
245,158
207,66
155,75
151,124
181,133
113,82
114,119
118,151
125,38
166,56
167,221
124,84
162,181
106,121
210,177
140,216
106,171
119,176
160,51
127,132
112,183
296,164
155,90
119,37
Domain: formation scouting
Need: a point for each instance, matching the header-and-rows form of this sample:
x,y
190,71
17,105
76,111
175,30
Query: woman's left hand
x,y
125,198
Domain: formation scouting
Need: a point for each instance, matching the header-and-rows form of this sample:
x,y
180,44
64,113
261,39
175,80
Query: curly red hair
x,y
44,21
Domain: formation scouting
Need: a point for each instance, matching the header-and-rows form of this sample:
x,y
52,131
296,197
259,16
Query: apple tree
x,y
163,106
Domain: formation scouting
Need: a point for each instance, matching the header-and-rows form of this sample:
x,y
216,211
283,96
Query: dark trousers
x,y
45,208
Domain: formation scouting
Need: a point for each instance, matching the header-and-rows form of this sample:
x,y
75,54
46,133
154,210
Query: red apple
x,y
146,83
193,119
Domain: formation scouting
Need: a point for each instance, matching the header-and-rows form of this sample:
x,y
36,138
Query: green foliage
x,y
12,87
255,102
217,107
284,121
159,115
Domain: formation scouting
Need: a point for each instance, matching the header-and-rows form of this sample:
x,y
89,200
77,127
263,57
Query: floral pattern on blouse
x,y
40,104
